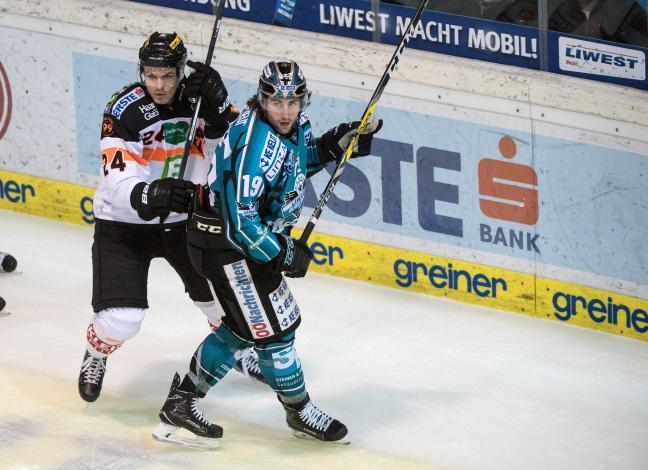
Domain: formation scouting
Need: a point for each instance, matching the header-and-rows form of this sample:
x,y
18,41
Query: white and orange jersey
x,y
141,141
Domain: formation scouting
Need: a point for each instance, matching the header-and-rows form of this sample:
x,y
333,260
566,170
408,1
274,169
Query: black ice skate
x,y
180,411
248,365
91,376
308,421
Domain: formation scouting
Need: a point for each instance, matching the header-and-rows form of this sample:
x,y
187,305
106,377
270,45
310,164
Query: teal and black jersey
x,y
256,182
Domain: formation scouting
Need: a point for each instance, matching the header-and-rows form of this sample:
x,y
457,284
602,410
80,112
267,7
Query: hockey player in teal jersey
x,y
239,239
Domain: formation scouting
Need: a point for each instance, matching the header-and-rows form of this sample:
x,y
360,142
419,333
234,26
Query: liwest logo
x,y
568,305
577,55
507,191
5,101
447,277
15,192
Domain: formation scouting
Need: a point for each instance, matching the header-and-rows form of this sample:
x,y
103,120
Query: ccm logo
x,y
208,228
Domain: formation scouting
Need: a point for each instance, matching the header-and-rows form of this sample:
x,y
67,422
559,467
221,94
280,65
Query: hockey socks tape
x,y
99,345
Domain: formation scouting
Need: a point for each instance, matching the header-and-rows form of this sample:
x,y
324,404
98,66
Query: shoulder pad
x,y
243,117
124,98
303,119
304,122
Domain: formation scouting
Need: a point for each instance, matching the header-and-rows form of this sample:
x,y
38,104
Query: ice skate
x,y
308,421
91,376
180,412
248,365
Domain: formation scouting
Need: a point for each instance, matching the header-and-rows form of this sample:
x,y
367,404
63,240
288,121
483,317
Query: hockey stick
x,y
373,102
194,119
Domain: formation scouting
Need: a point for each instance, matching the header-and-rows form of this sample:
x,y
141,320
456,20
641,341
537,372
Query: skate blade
x,y
344,441
5,314
166,433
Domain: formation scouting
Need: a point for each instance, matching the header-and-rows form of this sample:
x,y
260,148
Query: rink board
x,y
413,271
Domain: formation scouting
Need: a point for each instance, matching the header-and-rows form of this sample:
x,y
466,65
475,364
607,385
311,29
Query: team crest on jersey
x,y
289,164
294,200
120,106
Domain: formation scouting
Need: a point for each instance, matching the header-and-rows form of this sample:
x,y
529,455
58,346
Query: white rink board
x,y
464,106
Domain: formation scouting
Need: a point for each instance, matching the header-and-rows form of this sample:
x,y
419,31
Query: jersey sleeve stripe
x,y
160,154
240,185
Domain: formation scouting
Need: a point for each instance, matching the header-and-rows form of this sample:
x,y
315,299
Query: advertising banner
x,y
466,202
437,32
476,184
476,283
460,36
597,60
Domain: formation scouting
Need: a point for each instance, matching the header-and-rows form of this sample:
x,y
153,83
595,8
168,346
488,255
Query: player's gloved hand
x,y
161,197
207,82
332,145
294,257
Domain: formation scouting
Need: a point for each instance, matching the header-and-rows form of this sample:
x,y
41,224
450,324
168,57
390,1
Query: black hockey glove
x,y
206,82
332,145
161,197
294,257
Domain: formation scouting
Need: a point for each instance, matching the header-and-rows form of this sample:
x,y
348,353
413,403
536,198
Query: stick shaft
x,y
194,119
366,116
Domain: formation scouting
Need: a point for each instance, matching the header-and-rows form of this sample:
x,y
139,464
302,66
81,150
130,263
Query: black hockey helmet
x,y
283,80
163,50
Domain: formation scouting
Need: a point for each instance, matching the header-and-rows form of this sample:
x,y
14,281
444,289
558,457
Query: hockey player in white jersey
x,y
140,206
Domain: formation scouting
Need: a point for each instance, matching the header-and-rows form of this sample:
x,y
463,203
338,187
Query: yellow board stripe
x,y
46,198
480,285
473,283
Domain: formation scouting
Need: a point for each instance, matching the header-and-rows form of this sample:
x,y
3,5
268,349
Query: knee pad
x,y
116,325
213,311
215,356
281,367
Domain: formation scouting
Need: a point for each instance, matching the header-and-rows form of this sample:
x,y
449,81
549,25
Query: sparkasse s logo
x,y
5,101
508,192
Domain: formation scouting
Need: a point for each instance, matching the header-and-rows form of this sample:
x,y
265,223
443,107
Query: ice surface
x,y
421,382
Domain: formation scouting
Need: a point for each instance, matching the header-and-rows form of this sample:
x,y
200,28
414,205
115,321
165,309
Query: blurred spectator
x,y
522,12
578,17
626,21
456,7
